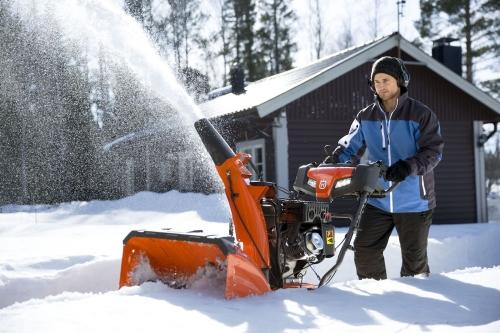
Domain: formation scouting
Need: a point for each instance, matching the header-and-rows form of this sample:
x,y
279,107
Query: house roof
x,y
271,93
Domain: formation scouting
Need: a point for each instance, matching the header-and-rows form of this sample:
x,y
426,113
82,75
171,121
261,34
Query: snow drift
x,y
59,269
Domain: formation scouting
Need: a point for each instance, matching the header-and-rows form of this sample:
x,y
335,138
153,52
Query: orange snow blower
x,y
275,240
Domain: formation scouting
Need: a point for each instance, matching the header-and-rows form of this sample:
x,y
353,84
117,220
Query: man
x,y
404,134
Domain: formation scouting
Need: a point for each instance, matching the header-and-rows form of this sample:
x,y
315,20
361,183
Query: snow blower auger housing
x,y
275,240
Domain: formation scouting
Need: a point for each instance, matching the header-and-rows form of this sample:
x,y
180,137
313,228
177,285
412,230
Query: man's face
x,y
386,86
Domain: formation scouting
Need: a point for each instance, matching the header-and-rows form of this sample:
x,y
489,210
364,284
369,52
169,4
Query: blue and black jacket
x,y
410,132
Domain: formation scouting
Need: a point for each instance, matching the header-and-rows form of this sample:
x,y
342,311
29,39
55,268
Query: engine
x,y
300,234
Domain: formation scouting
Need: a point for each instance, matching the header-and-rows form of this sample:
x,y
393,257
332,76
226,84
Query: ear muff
x,y
370,84
406,74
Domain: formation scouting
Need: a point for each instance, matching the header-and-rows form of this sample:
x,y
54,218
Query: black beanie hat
x,y
393,67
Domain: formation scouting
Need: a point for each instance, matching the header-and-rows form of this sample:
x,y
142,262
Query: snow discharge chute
x,y
275,240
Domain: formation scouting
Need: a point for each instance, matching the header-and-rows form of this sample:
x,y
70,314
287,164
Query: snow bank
x,y
171,203
94,275
59,268
494,206
462,301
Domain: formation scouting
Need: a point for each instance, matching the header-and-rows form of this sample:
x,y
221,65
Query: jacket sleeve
x,y
352,146
429,145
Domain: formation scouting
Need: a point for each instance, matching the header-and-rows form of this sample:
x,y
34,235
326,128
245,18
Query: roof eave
x,y
364,55
450,76
241,112
326,75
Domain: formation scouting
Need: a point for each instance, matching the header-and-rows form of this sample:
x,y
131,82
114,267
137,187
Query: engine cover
x,y
305,217
328,181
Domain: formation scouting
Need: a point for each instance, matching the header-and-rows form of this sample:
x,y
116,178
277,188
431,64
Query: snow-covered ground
x,y
59,268
494,204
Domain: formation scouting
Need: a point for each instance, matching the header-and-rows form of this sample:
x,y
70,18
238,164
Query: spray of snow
x,y
99,24
142,271
210,279
102,29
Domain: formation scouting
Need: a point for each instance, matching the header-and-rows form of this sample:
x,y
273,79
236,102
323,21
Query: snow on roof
x,y
259,92
269,94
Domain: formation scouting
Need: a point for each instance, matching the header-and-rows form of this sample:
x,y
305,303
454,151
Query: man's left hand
x,y
398,171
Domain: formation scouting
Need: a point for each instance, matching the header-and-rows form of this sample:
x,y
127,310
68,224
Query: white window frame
x,y
280,140
252,146
480,175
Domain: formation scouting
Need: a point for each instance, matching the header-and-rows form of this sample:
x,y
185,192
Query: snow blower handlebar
x,y
327,277
356,219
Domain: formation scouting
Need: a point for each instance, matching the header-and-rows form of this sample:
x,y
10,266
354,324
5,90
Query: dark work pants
x,y
375,228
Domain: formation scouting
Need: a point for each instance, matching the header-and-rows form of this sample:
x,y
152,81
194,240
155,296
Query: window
x,y
257,149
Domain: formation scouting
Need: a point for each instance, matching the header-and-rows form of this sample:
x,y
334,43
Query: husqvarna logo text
x,y
322,184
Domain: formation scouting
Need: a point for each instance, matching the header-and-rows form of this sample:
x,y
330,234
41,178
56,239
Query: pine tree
x,y
345,38
317,28
45,114
134,8
224,32
275,38
79,129
10,122
196,83
246,10
61,117
475,22
238,37
374,19
192,22
178,32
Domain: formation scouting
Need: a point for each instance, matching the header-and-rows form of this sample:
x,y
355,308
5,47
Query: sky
x,y
336,14
59,269
360,15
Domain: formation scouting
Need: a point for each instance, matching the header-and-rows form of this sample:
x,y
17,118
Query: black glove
x,y
398,171
329,155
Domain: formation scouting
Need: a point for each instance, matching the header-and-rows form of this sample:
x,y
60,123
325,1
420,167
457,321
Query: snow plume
x,y
115,73
101,24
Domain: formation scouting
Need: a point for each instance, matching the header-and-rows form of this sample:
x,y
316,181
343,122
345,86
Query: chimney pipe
x,y
237,79
448,55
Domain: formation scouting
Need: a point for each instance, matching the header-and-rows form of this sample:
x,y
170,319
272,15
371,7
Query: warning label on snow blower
x,y
329,237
